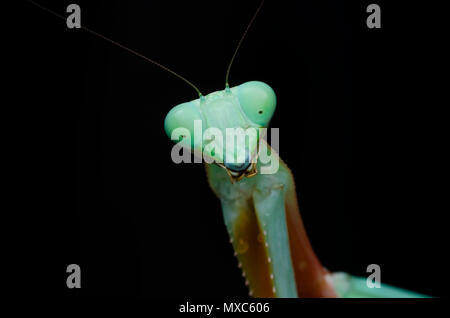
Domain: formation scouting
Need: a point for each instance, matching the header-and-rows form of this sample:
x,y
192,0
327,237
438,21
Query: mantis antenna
x,y
123,47
240,42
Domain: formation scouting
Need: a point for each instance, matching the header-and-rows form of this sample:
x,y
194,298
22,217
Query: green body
x,y
260,212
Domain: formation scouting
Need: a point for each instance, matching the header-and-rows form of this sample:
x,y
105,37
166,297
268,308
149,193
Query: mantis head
x,y
223,127
236,114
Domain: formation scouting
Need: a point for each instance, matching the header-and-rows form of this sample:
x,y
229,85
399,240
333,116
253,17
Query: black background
x,y
351,112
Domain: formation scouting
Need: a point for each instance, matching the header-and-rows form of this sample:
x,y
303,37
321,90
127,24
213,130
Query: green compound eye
x,y
258,101
182,117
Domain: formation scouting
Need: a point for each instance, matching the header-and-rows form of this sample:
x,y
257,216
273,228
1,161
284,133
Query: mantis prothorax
x,y
260,210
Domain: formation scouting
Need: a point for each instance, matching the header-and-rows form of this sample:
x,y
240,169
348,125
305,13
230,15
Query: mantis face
x,y
225,125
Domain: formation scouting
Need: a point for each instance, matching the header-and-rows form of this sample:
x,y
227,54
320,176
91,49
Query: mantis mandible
x,y
260,211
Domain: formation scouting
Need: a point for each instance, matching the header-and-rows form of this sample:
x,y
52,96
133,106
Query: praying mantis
x,y
260,211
